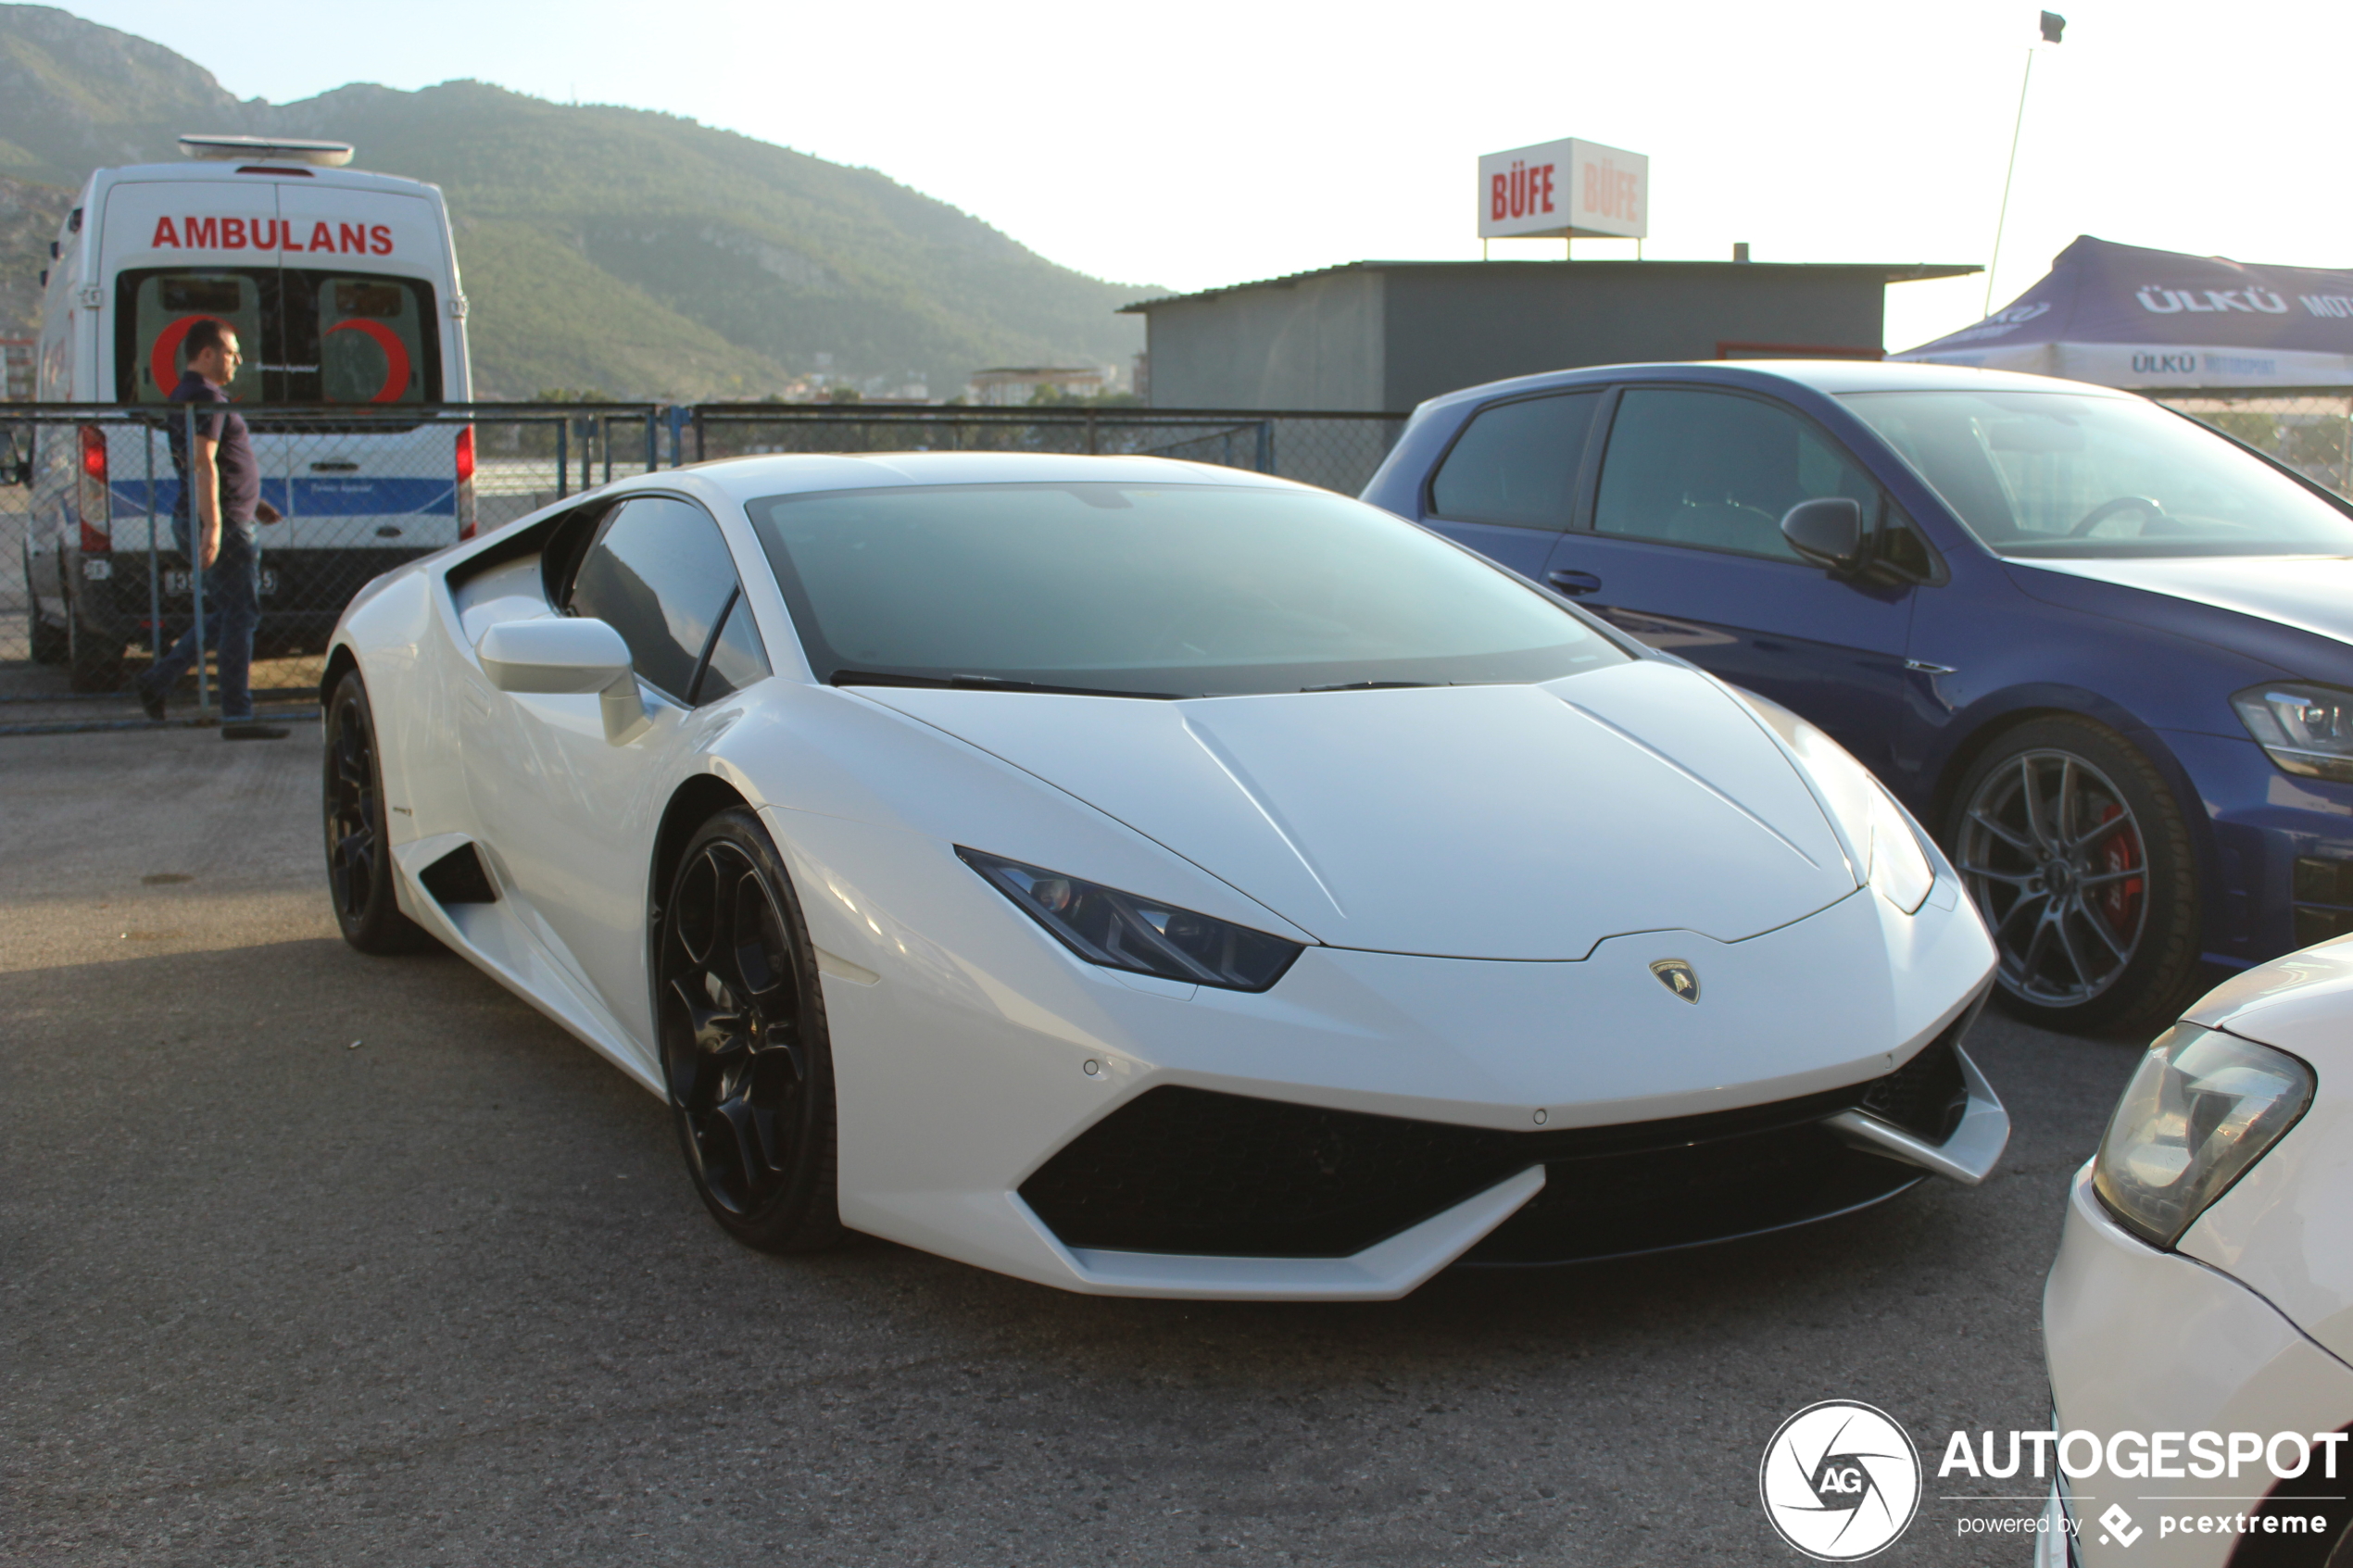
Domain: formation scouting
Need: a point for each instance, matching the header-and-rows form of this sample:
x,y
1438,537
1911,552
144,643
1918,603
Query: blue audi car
x,y
2101,651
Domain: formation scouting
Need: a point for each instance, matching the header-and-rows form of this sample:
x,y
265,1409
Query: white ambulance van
x,y
343,288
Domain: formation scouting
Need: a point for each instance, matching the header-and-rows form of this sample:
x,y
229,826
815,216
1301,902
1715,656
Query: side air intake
x,y
458,878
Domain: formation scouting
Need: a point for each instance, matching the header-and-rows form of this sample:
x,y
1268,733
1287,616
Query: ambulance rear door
x,y
362,295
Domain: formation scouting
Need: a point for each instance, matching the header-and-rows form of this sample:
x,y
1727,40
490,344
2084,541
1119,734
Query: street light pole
x,y
2053,25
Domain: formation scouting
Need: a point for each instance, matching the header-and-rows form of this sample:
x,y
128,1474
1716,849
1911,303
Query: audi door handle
x,y
1574,583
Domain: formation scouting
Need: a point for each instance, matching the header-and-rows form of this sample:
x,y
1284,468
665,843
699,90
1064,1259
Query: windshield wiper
x,y
988,683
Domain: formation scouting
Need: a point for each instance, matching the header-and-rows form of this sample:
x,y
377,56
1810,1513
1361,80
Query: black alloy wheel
x,y
359,856
2077,855
48,642
744,1047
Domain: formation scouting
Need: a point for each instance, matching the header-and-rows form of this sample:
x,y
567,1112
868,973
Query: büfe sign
x,y
1568,189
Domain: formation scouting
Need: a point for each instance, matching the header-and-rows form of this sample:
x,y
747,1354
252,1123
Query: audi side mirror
x,y
1827,530
568,656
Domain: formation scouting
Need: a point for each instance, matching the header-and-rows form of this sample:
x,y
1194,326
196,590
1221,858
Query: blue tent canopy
x,y
2124,316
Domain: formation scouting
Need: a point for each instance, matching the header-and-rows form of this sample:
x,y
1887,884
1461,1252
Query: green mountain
x,y
29,217
636,253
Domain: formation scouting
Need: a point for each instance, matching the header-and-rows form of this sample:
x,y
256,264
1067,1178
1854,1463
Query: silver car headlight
x,y
1122,930
1882,837
2305,729
2200,1109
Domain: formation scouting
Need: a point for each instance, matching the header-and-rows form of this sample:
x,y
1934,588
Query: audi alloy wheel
x,y
2076,855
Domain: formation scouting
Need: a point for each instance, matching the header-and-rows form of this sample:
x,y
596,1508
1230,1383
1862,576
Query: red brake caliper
x,y
2121,902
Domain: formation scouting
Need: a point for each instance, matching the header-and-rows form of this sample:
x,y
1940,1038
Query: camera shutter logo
x,y
1840,1481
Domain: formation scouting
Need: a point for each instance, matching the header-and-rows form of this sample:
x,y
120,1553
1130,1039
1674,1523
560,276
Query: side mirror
x,y
1828,531
565,657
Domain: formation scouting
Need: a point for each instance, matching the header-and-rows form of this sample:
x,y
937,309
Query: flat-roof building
x,y
1383,335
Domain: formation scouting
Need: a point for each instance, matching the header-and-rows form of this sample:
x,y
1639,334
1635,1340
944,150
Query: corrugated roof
x,y
1888,271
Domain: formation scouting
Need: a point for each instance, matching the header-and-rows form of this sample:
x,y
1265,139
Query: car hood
x,y
1508,821
2311,592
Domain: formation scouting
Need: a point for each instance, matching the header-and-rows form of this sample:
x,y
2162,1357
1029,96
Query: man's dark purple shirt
x,y
240,475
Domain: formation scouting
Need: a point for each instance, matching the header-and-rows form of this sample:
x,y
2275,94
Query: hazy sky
x,y
1211,143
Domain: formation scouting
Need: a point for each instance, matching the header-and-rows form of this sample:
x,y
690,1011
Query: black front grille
x,y
1189,1171
2323,899
1656,1199
1926,1094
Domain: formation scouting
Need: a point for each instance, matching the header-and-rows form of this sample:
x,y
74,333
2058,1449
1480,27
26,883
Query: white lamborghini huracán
x,y
1150,879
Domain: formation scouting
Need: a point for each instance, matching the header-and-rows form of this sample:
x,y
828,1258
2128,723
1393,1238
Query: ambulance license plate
x,y
177,582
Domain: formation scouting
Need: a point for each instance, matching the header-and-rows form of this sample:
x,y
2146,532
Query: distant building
x,y
1384,335
1015,385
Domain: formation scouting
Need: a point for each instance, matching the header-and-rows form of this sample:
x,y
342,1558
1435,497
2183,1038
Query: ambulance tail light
x,y
466,482
91,499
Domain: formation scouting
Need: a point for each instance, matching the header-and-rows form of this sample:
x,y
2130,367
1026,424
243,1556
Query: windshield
x,y
2043,474
1146,590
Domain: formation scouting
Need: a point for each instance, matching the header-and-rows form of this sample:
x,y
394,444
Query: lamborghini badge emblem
x,y
1677,977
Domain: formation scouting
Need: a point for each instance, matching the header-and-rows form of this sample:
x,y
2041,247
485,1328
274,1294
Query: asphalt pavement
x,y
307,1258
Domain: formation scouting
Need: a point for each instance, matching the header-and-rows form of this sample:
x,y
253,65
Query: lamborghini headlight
x,y
2305,729
1892,851
1122,930
2200,1109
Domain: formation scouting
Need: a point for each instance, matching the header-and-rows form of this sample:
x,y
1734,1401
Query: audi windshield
x,y
2043,474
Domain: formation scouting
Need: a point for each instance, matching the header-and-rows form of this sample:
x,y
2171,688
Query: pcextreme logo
x,y
1840,1481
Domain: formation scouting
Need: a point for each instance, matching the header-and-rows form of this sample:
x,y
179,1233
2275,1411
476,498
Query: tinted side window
x,y
659,573
1716,471
1516,463
737,659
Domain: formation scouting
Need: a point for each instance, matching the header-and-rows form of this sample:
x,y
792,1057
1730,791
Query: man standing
x,y
223,483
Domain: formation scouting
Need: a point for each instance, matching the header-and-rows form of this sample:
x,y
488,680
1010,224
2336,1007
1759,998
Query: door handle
x,y
1574,584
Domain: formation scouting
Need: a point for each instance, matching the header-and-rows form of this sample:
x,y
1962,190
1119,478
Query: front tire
x,y
360,873
2078,856
744,1053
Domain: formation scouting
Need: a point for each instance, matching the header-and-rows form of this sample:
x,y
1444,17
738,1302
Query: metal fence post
x,y
155,566
195,551
563,458
653,453
604,431
1265,447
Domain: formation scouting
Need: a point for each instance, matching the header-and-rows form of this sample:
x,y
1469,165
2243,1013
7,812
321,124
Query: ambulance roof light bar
x,y
280,149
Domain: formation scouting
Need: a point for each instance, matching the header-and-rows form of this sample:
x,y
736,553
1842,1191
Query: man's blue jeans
x,y
231,611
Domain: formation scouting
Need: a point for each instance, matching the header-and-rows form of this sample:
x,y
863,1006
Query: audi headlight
x,y
1890,851
2200,1109
1122,930
2305,729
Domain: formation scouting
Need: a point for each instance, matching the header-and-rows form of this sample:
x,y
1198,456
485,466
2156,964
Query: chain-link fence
x,y
2311,431
1337,451
96,581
